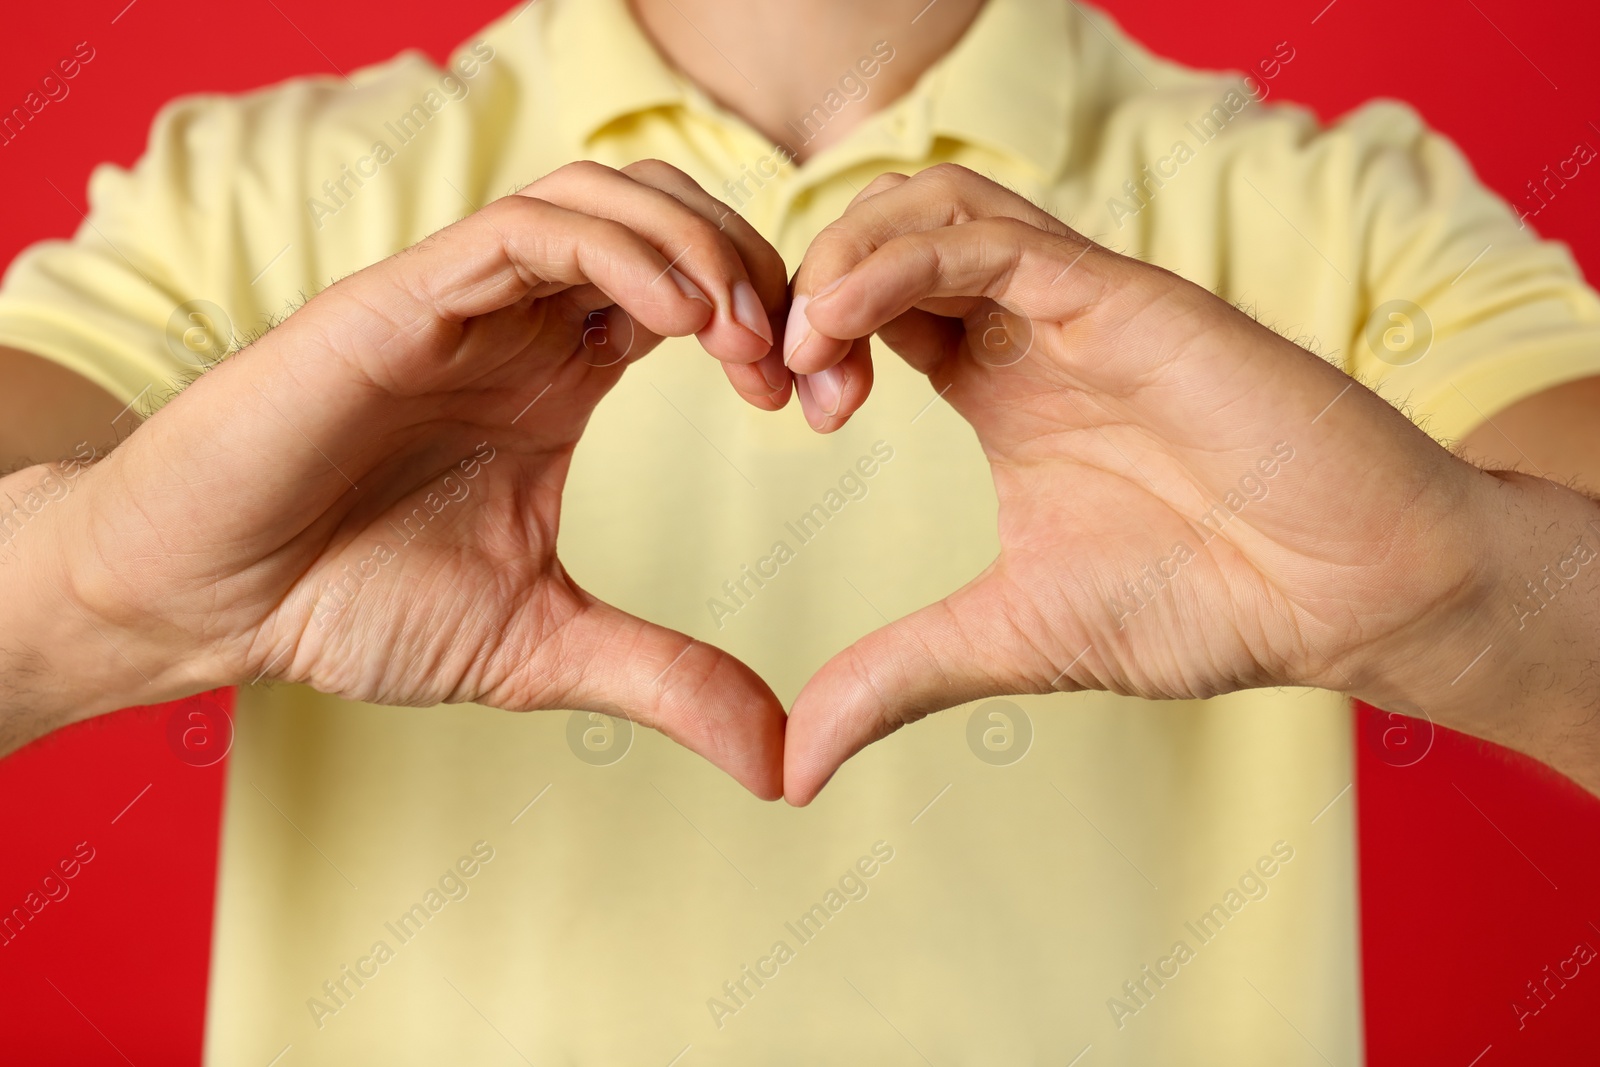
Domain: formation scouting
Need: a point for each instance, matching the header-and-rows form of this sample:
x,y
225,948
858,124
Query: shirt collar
x,y
1006,85
602,66
1009,82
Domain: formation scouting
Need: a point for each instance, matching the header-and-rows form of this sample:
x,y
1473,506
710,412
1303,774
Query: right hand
x,y
256,527
1119,407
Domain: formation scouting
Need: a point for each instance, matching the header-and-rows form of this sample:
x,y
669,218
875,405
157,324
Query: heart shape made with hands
x,y
1136,403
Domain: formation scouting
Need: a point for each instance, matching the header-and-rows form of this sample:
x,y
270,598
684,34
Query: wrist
x,y
1511,658
61,660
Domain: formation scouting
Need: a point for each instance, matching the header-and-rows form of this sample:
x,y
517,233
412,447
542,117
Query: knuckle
x,y
846,241
949,176
509,207
501,217
579,170
841,233
706,236
659,169
835,245
883,183
1009,228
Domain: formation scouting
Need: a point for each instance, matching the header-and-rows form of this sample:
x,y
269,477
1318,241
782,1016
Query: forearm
x,y
56,665
53,668
1554,433
48,411
1519,664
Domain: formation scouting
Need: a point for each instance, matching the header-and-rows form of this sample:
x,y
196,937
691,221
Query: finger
x,y
881,184
700,252
921,338
766,383
612,339
829,397
519,247
1038,275
763,265
941,196
605,334
698,695
946,654
813,276
397,329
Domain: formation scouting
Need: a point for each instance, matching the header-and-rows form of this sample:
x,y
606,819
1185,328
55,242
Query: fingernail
x,y
685,286
831,286
827,389
749,313
773,370
798,328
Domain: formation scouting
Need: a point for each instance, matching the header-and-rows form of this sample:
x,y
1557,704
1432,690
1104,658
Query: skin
x,y
789,55
47,410
414,374
1378,565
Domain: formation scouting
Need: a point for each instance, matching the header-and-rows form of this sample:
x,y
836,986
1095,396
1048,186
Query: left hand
x,y
1189,504
367,500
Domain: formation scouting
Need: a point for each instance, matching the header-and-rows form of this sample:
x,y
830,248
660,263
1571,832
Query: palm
x,y
1182,552
1102,562
453,565
1107,575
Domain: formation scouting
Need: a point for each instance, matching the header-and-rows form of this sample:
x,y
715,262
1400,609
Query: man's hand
x,y
1189,504
366,500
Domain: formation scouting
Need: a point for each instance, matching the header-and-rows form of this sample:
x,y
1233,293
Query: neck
x,y
775,63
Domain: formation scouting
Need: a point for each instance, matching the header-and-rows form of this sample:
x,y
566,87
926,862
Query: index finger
x,y
765,382
892,207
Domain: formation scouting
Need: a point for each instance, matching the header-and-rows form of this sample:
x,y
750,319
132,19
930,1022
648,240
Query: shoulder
x,y
266,196
199,142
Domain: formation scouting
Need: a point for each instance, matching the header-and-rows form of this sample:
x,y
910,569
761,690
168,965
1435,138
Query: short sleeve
x,y
1463,310
242,207
100,303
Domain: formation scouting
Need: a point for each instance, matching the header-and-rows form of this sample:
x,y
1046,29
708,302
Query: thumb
x,y
700,696
963,648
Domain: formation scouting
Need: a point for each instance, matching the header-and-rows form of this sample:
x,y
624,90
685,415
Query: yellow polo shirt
x,y
1069,879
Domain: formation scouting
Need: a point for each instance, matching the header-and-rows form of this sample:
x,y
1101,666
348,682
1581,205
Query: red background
x,y
1478,867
